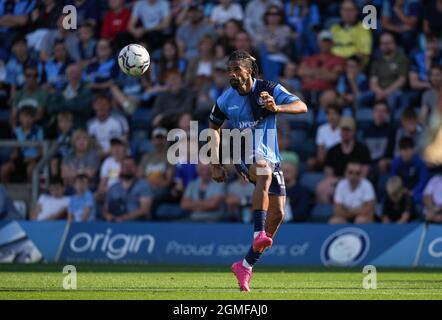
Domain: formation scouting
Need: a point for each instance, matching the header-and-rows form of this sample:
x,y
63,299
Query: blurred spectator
x,y
432,96
74,97
226,38
243,41
289,78
23,160
172,104
225,11
45,15
401,18
274,35
200,69
349,36
110,169
154,17
327,136
7,208
254,13
51,206
87,44
21,58
115,21
87,11
84,158
14,15
203,197
321,71
432,17
53,71
99,74
433,199
352,83
354,198
327,99
189,35
299,199
411,168
106,125
398,206
82,204
130,199
410,128
388,76
169,60
63,136
339,156
31,95
239,200
379,138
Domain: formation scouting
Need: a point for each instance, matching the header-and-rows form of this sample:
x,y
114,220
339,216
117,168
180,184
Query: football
x,y
134,60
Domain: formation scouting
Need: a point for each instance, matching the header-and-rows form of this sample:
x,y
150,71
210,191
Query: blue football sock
x,y
251,258
260,219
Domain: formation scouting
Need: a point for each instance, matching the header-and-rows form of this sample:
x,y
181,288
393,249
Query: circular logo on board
x,y
345,247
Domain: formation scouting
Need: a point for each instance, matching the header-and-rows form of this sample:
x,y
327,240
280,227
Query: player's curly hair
x,y
244,56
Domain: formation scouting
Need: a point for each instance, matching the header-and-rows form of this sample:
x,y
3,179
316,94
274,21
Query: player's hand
x,y
219,174
269,102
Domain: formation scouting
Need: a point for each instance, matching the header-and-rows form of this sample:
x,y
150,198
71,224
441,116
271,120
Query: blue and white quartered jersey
x,y
247,112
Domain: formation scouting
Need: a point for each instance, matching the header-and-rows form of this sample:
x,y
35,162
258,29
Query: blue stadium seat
x,y
169,212
321,213
311,179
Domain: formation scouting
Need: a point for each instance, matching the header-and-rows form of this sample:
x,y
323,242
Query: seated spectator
x,y
338,157
99,74
21,57
354,198
111,167
432,18
172,104
379,138
84,158
13,17
169,60
411,168
45,15
225,43
299,199
115,21
203,197
352,83
129,199
289,78
106,124
401,18
350,36
431,97
224,11
200,69
327,99
321,71
243,41
411,128
87,11
31,95
75,97
398,206
254,13
82,204
388,76
24,160
64,136
7,208
87,44
51,206
189,34
327,136
433,200
239,200
154,18
54,69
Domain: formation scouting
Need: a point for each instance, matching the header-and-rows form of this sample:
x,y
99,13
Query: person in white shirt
x,y
433,200
106,125
52,206
329,134
225,11
354,197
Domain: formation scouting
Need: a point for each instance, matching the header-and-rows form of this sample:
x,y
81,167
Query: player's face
x,y
239,74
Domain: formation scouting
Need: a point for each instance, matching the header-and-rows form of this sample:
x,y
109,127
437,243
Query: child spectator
x,y
411,168
23,160
87,43
54,70
64,135
351,83
116,20
82,204
433,199
51,206
398,206
299,199
410,128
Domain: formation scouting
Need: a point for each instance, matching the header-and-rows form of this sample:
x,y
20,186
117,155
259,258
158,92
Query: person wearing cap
x,y
337,158
155,18
320,72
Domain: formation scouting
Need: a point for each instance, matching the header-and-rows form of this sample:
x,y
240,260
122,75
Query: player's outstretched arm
x,y
294,107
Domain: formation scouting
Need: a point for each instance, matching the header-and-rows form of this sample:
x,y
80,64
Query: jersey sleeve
x,y
217,116
282,96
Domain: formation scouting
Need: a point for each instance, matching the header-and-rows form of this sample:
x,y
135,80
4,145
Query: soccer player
x,y
252,104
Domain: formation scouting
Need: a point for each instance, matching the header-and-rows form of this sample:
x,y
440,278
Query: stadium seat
x,y
321,213
169,212
310,180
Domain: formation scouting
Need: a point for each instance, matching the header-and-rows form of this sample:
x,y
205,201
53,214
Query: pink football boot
x,y
261,242
243,275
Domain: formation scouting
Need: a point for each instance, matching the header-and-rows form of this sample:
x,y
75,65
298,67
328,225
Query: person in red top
x,y
321,71
116,20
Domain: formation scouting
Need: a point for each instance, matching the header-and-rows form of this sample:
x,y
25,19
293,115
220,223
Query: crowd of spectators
x,y
374,98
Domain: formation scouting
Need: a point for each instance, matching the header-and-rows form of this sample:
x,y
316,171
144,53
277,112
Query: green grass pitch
x,y
217,283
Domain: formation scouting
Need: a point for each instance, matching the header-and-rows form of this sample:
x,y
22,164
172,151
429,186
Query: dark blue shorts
x,y
277,186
